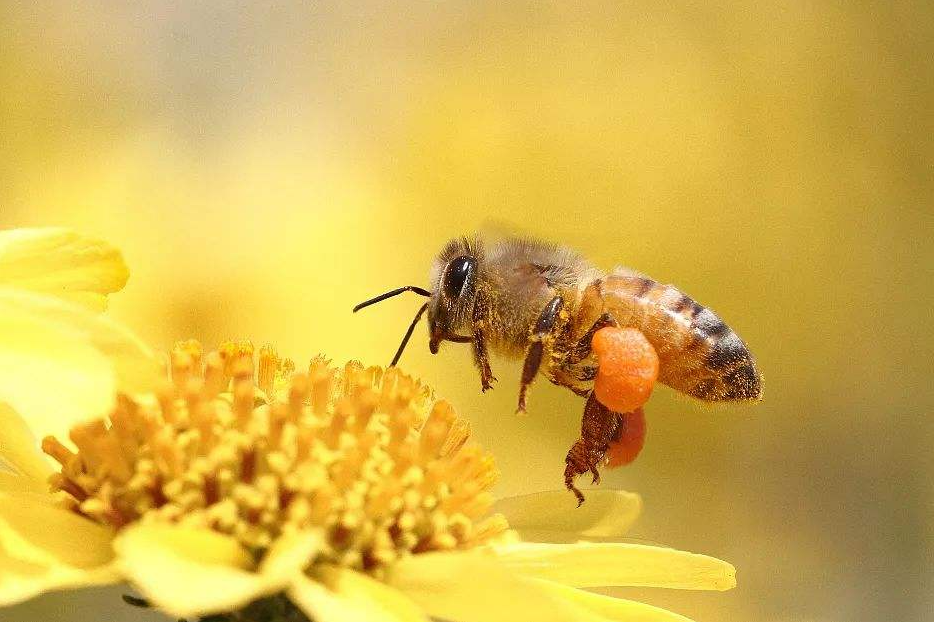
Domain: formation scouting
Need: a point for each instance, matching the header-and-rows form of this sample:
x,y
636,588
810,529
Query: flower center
x,y
364,454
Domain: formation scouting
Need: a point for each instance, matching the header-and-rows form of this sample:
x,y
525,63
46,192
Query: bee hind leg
x,y
599,427
581,349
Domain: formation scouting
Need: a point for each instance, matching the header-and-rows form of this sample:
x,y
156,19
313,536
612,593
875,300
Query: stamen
x,y
254,451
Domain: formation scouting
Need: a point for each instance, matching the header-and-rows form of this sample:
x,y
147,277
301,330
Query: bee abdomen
x,y
728,372
698,353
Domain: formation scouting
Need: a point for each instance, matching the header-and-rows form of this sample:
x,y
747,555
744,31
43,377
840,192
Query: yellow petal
x,y
343,595
290,554
33,530
62,263
611,608
188,572
60,364
596,564
44,548
474,587
135,366
18,447
553,516
21,580
14,482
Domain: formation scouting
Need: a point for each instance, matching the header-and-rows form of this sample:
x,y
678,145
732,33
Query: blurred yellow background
x,y
264,167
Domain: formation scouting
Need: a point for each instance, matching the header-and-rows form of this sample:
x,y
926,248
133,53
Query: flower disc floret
x,y
252,450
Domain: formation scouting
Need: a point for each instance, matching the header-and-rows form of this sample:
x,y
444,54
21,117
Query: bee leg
x,y
569,474
586,374
581,350
482,359
599,426
533,356
574,379
573,374
480,354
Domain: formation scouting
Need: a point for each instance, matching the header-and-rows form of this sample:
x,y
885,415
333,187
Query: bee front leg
x,y
482,358
599,427
481,355
533,356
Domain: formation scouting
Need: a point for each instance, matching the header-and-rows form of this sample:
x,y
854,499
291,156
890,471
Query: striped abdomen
x,y
698,353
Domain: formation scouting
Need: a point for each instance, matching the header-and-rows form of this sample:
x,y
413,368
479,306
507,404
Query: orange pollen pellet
x,y
627,368
628,441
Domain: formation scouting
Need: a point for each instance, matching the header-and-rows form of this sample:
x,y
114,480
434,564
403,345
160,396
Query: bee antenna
x,y
408,288
408,334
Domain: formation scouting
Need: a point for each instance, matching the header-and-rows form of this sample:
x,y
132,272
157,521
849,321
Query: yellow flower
x,y
353,492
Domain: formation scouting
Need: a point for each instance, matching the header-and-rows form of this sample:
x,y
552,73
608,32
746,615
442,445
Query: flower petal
x,y
21,580
290,554
611,608
19,449
188,572
61,364
473,587
16,483
62,263
344,595
553,516
593,565
43,547
33,530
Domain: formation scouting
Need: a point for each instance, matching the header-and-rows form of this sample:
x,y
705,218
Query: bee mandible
x,y
545,303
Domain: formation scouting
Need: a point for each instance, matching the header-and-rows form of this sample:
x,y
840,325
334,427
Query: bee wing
x,y
627,272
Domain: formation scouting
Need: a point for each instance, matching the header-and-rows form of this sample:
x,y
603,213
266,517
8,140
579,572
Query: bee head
x,y
450,304
453,280
453,288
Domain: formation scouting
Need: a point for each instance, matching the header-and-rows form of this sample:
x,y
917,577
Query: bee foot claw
x,y
596,474
577,493
570,472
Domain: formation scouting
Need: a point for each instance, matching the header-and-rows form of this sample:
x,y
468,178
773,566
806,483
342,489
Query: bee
x,y
543,303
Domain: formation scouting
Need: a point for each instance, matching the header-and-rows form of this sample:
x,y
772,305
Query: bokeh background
x,y
264,166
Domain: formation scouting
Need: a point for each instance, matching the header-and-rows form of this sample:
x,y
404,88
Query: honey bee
x,y
543,303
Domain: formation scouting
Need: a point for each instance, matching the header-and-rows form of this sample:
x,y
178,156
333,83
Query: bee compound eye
x,y
456,275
